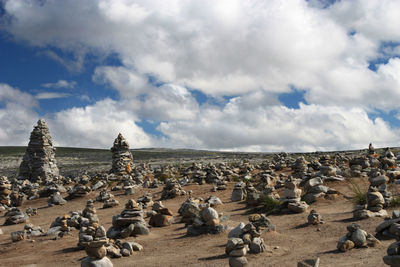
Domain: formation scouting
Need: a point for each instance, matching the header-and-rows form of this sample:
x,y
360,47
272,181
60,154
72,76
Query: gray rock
x,y
209,214
257,245
237,261
309,263
239,252
237,231
90,262
359,238
233,243
393,261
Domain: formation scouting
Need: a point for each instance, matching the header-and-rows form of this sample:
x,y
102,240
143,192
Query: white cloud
x,y
97,126
277,128
51,95
248,50
60,84
16,115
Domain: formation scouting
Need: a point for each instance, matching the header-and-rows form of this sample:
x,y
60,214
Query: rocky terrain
x,y
159,207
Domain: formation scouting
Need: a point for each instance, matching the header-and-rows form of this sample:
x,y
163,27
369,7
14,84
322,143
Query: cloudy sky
x,y
212,74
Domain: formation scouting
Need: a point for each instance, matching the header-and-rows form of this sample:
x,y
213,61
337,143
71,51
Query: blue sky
x,y
226,75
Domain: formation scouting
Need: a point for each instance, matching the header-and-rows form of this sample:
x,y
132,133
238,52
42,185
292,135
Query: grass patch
x,y
270,203
359,195
395,202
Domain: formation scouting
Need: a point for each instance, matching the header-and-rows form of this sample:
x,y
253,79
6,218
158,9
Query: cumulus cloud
x,y
60,84
278,128
96,126
17,113
247,51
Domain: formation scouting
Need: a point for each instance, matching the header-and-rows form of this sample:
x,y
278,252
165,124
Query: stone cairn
x,y
356,237
239,192
390,227
314,189
121,157
15,216
393,255
291,200
200,218
78,191
375,200
93,239
39,163
247,238
5,191
28,232
129,223
56,199
104,196
314,218
172,190
162,217
299,168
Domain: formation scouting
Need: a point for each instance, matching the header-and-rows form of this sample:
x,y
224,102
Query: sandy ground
x,y
169,246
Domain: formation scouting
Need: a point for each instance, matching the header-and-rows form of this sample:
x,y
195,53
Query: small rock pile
x,y
5,191
314,218
146,201
326,168
129,223
171,190
121,157
390,227
189,211
378,179
78,191
291,200
356,237
163,217
374,206
239,192
39,163
56,199
15,216
314,189
104,196
110,203
246,238
207,223
93,239
299,168
393,255
28,232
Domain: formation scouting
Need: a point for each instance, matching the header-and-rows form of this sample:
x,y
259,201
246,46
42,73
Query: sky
x,y
228,75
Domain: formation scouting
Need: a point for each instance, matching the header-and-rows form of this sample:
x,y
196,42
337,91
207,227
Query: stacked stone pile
x,y
129,223
213,201
5,191
239,192
300,168
110,203
56,199
356,237
28,232
78,191
314,218
93,239
39,163
121,157
104,196
315,189
388,160
162,217
15,216
374,206
393,255
172,190
189,210
390,227
291,200
247,238
378,179
146,201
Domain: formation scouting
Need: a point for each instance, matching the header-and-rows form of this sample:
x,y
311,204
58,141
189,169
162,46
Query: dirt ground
x,y
169,246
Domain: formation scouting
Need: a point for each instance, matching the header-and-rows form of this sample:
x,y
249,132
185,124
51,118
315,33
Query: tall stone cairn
x,y
121,156
39,161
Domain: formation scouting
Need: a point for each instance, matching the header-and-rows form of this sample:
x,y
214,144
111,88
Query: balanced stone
x,y
121,156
